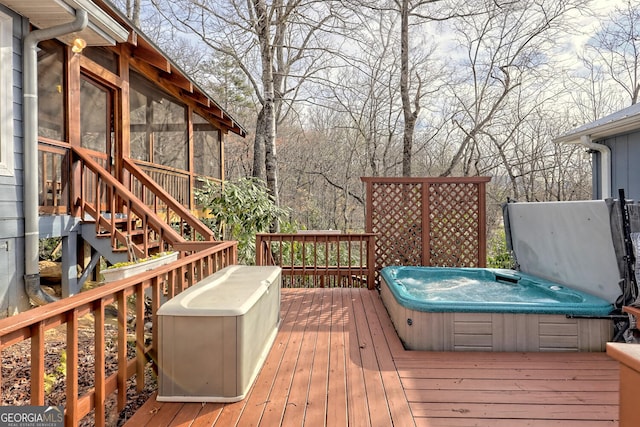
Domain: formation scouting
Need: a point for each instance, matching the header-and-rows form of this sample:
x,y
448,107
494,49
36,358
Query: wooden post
x,y
426,224
100,365
259,255
482,224
37,364
72,415
371,261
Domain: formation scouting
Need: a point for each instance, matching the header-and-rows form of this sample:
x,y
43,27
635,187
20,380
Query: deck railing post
x,y
72,415
259,249
37,364
76,186
371,261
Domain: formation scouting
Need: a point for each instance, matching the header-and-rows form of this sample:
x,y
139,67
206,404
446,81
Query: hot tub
x,y
445,309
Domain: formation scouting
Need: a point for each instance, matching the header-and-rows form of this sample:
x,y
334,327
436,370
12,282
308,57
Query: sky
x,y
571,45
589,23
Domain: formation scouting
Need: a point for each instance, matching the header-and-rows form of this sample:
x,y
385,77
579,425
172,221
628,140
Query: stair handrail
x,y
177,207
136,205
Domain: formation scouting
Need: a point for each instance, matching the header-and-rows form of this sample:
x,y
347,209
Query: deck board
x,y
336,414
261,403
395,394
337,361
374,387
208,415
317,389
298,396
185,416
358,405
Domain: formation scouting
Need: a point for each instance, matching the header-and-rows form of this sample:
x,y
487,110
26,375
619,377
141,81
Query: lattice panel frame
x,y
427,221
397,222
454,234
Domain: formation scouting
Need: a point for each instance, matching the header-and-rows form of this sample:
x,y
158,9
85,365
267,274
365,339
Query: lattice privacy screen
x,y
427,221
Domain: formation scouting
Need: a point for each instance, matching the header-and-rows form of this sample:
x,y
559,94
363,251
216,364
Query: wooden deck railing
x,y
163,204
53,163
319,259
181,185
54,169
174,182
118,212
66,317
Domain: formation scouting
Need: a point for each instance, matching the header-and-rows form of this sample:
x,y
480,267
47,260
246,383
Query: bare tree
x,y
365,91
410,112
278,45
616,48
133,11
506,47
592,94
321,171
415,70
342,112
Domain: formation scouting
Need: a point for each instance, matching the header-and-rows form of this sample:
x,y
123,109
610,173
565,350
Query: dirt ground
x,y
16,363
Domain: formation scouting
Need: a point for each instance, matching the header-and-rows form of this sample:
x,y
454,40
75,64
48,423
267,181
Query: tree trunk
x,y
135,16
409,115
259,147
133,11
267,114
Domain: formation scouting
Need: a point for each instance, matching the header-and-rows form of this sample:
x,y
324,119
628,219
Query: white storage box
x,y
214,336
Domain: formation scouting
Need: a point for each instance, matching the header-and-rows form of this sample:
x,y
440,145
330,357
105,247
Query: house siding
x,y
625,162
12,295
596,176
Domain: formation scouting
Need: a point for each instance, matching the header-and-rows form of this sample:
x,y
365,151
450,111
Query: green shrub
x,y
238,210
498,256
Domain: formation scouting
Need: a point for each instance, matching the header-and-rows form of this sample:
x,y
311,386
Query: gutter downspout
x,y
31,227
605,164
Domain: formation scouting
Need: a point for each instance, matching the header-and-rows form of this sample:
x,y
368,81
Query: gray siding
x,y
11,186
625,164
595,177
12,295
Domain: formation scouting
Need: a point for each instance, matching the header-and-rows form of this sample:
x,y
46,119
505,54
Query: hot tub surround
x,y
559,319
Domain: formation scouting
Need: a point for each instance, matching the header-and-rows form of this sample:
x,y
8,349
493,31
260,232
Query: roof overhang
x,y
620,122
102,29
107,26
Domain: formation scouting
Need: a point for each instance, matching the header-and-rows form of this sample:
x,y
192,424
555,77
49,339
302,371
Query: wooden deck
x,y
337,361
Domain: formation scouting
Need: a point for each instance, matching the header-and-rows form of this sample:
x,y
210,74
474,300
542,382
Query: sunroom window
x,y
51,89
158,125
206,148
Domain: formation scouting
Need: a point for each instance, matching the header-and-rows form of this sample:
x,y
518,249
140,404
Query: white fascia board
x,y
99,19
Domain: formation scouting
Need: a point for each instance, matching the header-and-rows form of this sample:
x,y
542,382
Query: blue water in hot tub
x,y
443,289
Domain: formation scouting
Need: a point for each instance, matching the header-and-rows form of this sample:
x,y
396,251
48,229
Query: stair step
x,y
119,220
136,232
150,244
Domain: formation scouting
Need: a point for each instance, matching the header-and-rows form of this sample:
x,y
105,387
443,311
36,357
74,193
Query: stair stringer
x,y
101,245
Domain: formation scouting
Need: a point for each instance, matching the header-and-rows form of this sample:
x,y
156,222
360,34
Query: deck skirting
x,y
451,331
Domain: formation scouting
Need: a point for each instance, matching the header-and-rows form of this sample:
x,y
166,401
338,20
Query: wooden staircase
x,y
138,219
